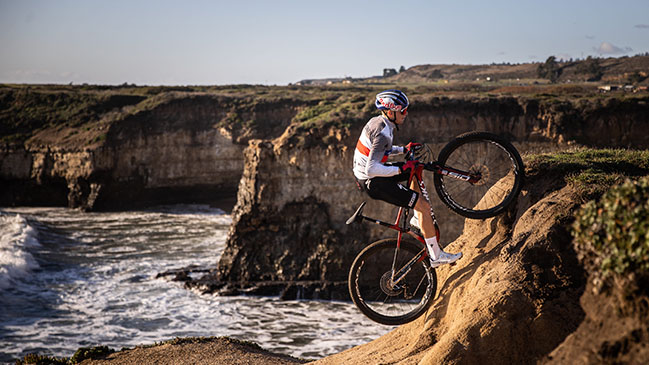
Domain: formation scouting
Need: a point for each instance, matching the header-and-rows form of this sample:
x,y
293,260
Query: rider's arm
x,y
377,157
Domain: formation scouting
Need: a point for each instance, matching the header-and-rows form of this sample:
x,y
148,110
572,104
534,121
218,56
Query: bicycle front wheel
x,y
499,166
392,285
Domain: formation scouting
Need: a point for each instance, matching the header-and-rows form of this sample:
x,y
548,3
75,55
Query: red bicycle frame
x,y
402,215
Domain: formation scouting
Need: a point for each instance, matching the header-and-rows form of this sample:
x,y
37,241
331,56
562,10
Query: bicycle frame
x,y
416,176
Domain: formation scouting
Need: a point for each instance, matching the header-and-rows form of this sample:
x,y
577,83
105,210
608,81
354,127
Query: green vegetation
x,y
341,112
194,340
612,227
25,111
591,172
97,352
81,354
42,360
82,116
637,77
550,70
617,228
592,68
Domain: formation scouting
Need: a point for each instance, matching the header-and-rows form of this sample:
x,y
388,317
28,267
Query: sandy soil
x,y
213,351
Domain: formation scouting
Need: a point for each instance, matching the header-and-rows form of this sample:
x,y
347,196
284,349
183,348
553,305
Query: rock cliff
x,y
287,157
288,226
286,152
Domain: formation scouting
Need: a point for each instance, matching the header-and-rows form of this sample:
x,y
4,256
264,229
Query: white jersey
x,y
373,148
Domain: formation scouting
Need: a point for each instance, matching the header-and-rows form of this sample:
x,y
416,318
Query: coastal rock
x,y
294,197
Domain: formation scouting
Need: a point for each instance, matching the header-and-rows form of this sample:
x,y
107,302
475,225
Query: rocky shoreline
x,y
180,351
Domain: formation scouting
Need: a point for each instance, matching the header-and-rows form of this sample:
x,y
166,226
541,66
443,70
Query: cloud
x,y
642,26
590,37
608,48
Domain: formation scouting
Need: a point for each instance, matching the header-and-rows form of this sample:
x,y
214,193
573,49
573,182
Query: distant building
x,y
607,88
387,72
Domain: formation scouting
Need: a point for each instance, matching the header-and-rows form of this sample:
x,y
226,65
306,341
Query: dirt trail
x,y
512,298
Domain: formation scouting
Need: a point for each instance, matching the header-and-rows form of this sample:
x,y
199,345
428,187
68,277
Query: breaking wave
x,y
17,237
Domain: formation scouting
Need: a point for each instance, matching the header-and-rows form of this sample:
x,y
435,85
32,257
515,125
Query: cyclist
x,y
382,181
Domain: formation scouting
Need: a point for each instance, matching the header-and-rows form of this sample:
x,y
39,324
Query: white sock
x,y
433,247
414,221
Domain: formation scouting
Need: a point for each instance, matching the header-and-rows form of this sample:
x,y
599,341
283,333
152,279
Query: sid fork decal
x,y
422,188
456,175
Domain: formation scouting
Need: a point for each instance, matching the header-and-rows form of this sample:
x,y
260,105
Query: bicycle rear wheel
x,y
495,160
372,287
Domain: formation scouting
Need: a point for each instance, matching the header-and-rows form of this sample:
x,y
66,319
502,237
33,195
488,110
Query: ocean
x,y
71,279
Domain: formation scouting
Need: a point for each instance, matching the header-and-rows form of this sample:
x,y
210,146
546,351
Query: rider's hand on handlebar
x,y
414,147
406,167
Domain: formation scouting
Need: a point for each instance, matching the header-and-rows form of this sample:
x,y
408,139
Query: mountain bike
x,y
477,175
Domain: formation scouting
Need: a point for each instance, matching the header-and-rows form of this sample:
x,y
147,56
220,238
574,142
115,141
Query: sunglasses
x,y
404,111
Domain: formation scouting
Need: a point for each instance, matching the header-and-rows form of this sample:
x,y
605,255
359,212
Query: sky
x,y
277,42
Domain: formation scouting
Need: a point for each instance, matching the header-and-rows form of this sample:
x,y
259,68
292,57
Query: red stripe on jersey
x,y
362,149
366,151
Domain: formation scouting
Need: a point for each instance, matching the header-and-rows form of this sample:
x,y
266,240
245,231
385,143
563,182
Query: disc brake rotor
x,y
388,287
482,170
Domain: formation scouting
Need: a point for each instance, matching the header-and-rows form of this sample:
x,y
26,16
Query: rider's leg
x,y
428,229
427,226
422,210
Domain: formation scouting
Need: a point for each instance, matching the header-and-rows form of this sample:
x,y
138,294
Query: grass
x,y
591,172
26,110
612,226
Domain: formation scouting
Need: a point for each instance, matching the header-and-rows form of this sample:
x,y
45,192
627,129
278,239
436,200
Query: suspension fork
x,y
416,180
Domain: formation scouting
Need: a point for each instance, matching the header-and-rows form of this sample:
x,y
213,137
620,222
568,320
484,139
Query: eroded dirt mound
x,y
512,298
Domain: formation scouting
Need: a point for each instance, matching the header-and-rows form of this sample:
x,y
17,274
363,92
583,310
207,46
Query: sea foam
x,y
16,238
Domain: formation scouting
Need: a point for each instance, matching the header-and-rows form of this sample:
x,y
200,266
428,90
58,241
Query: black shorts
x,y
390,190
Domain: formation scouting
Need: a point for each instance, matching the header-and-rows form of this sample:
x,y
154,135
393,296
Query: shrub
x,y
616,228
94,353
35,359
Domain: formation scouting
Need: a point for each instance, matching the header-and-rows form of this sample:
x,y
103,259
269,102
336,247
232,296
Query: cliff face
x,y
515,295
183,148
293,199
288,155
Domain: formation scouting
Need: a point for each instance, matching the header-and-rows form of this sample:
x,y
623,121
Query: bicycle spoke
x,y
374,282
499,166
